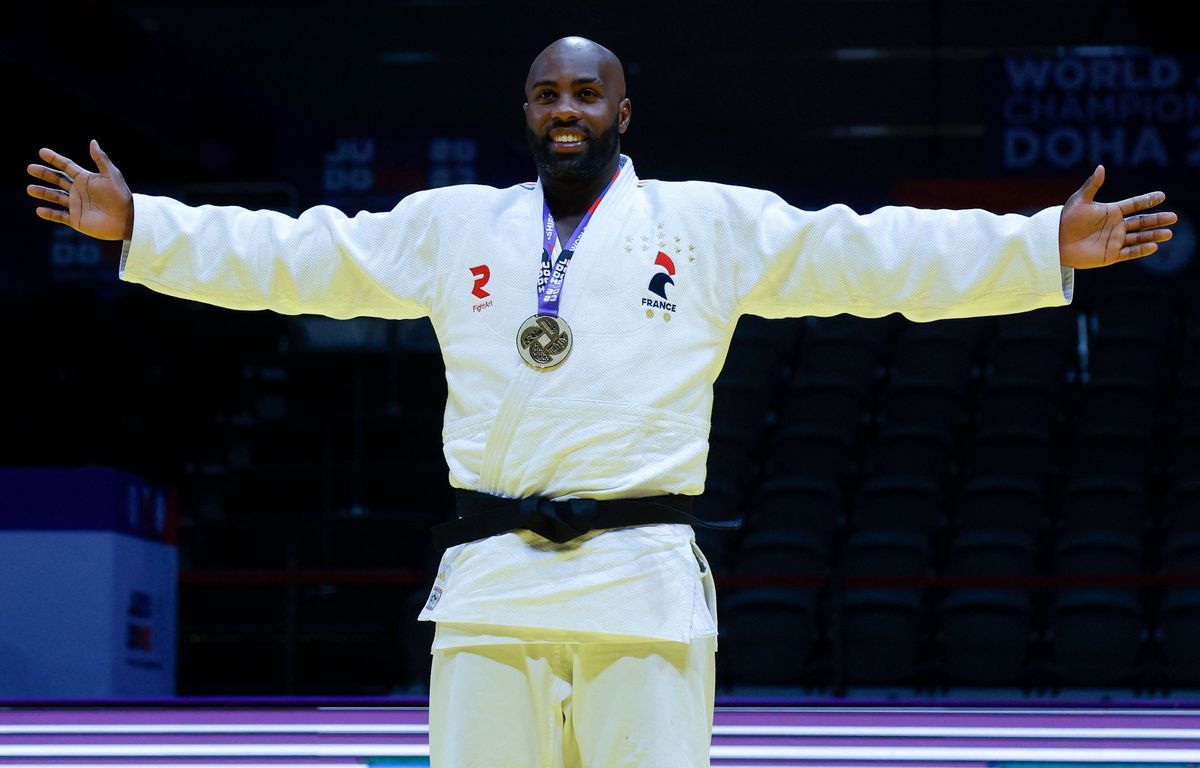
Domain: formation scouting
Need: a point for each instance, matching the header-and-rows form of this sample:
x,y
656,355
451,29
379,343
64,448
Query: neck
x,y
572,197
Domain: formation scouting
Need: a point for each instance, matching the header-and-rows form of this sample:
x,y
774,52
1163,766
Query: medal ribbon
x,y
550,280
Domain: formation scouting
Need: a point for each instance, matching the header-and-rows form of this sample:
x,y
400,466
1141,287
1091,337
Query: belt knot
x,y
559,521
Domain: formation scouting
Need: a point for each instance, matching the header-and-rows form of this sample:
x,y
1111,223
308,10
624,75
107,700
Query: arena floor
x,y
303,735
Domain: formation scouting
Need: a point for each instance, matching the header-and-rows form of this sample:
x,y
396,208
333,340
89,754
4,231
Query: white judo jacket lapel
x,y
600,237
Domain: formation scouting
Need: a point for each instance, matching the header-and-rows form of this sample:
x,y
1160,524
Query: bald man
x,y
583,320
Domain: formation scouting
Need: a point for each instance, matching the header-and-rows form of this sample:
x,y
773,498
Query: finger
x,y
50,175
1088,191
64,164
1132,205
1137,251
49,195
102,161
1146,220
1148,236
52,214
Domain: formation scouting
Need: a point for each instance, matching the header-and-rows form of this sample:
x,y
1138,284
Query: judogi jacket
x,y
653,293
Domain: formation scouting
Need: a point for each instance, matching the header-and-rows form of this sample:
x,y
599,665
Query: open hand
x,y
1092,234
97,204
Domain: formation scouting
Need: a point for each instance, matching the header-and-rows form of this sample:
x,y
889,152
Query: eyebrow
x,y
576,81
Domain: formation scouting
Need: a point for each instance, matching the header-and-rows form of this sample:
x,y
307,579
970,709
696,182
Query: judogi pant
x,y
572,705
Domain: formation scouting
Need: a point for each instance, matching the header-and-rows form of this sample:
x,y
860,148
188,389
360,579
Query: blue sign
x,y
1121,107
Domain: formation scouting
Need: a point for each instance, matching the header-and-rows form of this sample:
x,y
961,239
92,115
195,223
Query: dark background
x,y
307,456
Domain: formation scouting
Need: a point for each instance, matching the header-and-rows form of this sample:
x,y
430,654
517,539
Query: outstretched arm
x,y
929,264
99,204
321,262
1092,234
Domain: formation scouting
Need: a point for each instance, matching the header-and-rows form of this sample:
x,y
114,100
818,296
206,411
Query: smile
x,y
565,140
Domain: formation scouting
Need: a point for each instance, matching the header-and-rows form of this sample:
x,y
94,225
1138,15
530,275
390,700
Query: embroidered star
x,y
691,258
678,238
629,249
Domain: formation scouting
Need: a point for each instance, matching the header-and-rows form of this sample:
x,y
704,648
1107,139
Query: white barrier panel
x,y
88,572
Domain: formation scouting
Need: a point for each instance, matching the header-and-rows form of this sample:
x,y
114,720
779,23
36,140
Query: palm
x,y
98,204
95,200
1093,234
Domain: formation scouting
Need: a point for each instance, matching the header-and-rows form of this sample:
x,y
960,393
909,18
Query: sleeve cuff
x,y
1068,282
124,257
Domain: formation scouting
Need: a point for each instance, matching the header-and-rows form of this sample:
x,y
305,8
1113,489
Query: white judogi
x,y
627,414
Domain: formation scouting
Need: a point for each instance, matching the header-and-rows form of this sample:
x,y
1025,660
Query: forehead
x,y
569,64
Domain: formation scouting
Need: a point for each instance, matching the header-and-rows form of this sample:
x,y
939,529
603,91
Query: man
x,y
584,633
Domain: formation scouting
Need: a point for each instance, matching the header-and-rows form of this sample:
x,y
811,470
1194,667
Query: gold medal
x,y
544,341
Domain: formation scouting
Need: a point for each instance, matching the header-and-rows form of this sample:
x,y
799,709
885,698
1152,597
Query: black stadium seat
x,y
986,636
1096,636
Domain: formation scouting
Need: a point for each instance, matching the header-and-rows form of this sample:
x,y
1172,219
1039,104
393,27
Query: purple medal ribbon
x,y
550,281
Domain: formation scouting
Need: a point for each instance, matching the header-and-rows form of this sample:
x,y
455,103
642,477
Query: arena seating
x,y
1005,501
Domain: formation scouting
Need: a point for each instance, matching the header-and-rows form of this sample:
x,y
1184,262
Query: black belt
x,y
481,515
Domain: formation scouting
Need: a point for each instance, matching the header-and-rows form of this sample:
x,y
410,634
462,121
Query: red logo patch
x,y
664,261
482,275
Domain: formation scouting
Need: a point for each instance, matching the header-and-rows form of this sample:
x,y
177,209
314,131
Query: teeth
x,y
568,138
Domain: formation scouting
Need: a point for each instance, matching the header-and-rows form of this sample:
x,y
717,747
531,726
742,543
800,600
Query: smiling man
x,y
575,112
576,617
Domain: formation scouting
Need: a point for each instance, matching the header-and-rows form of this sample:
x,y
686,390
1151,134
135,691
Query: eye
x,y
589,93
545,94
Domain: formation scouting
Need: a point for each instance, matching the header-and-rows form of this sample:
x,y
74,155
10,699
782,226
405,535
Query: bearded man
x,y
576,617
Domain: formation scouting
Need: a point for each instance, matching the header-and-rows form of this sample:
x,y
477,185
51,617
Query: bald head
x,y
578,54
575,113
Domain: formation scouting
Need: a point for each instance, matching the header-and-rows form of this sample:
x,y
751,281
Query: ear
x,y
626,112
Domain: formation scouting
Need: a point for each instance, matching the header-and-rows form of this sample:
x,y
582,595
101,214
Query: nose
x,y
565,109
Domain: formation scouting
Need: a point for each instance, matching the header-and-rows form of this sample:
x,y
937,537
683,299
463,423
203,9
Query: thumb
x,y
1087,193
102,161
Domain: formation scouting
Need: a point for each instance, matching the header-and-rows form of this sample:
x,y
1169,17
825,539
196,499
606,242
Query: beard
x,y
597,153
